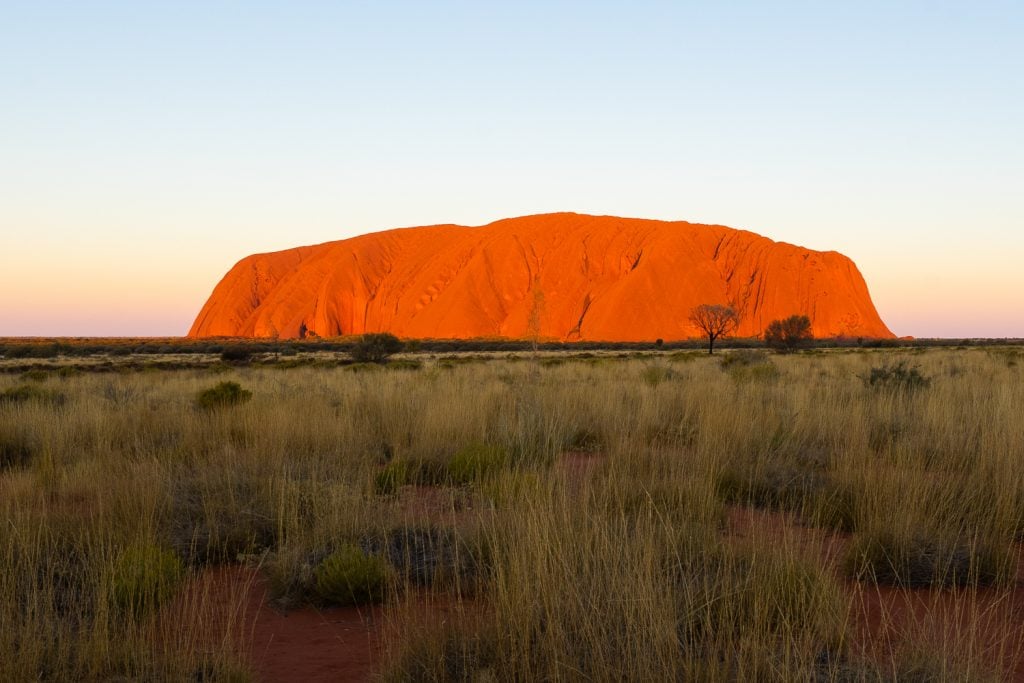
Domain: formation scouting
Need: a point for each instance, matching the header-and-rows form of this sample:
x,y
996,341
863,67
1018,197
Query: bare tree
x,y
715,320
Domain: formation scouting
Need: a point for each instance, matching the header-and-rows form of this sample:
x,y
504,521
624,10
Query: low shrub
x,y
653,375
218,518
236,354
16,449
144,576
755,590
476,462
455,651
899,376
744,358
398,473
376,348
223,395
924,560
28,392
290,575
584,441
349,576
794,488
432,556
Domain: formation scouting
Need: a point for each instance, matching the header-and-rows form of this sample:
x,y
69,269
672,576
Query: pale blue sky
x,y
145,147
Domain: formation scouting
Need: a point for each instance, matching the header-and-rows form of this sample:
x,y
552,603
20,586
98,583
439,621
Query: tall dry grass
x,y
601,546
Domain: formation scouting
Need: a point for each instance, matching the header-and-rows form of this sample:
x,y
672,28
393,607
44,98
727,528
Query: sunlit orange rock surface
x,y
577,277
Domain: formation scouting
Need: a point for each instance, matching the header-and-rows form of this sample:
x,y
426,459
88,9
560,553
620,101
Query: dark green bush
x,y
899,376
144,577
222,395
376,348
236,354
789,334
16,450
349,576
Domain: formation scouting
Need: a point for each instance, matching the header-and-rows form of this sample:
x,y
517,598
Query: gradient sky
x,y
145,147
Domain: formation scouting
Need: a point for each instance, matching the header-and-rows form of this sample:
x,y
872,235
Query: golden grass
x,y
583,507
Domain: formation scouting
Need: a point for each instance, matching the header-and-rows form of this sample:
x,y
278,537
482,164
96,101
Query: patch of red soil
x,y
577,466
306,644
335,644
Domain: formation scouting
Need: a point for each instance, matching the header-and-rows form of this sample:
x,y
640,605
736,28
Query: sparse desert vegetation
x,y
832,515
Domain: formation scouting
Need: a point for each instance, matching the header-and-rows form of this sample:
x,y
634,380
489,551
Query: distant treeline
x,y
79,347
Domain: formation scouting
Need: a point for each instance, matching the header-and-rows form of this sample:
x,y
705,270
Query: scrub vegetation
x,y
663,514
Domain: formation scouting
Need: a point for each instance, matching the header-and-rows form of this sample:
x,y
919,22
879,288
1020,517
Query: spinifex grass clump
x,y
16,449
476,462
29,392
349,576
749,365
406,472
897,376
143,577
921,560
793,487
219,516
433,556
223,395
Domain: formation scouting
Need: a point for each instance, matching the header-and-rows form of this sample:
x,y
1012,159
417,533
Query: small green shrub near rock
x,y
349,576
144,576
223,395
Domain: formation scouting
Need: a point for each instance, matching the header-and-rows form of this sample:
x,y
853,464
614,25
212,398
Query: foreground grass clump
x,y
223,395
16,449
406,472
899,376
349,576
476,462
920,561
144,576
28,392
791,487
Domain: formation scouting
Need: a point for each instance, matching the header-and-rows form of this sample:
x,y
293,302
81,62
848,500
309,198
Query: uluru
x,y
576,277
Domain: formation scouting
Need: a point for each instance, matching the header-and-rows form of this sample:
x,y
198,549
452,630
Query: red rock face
x,y
574,277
